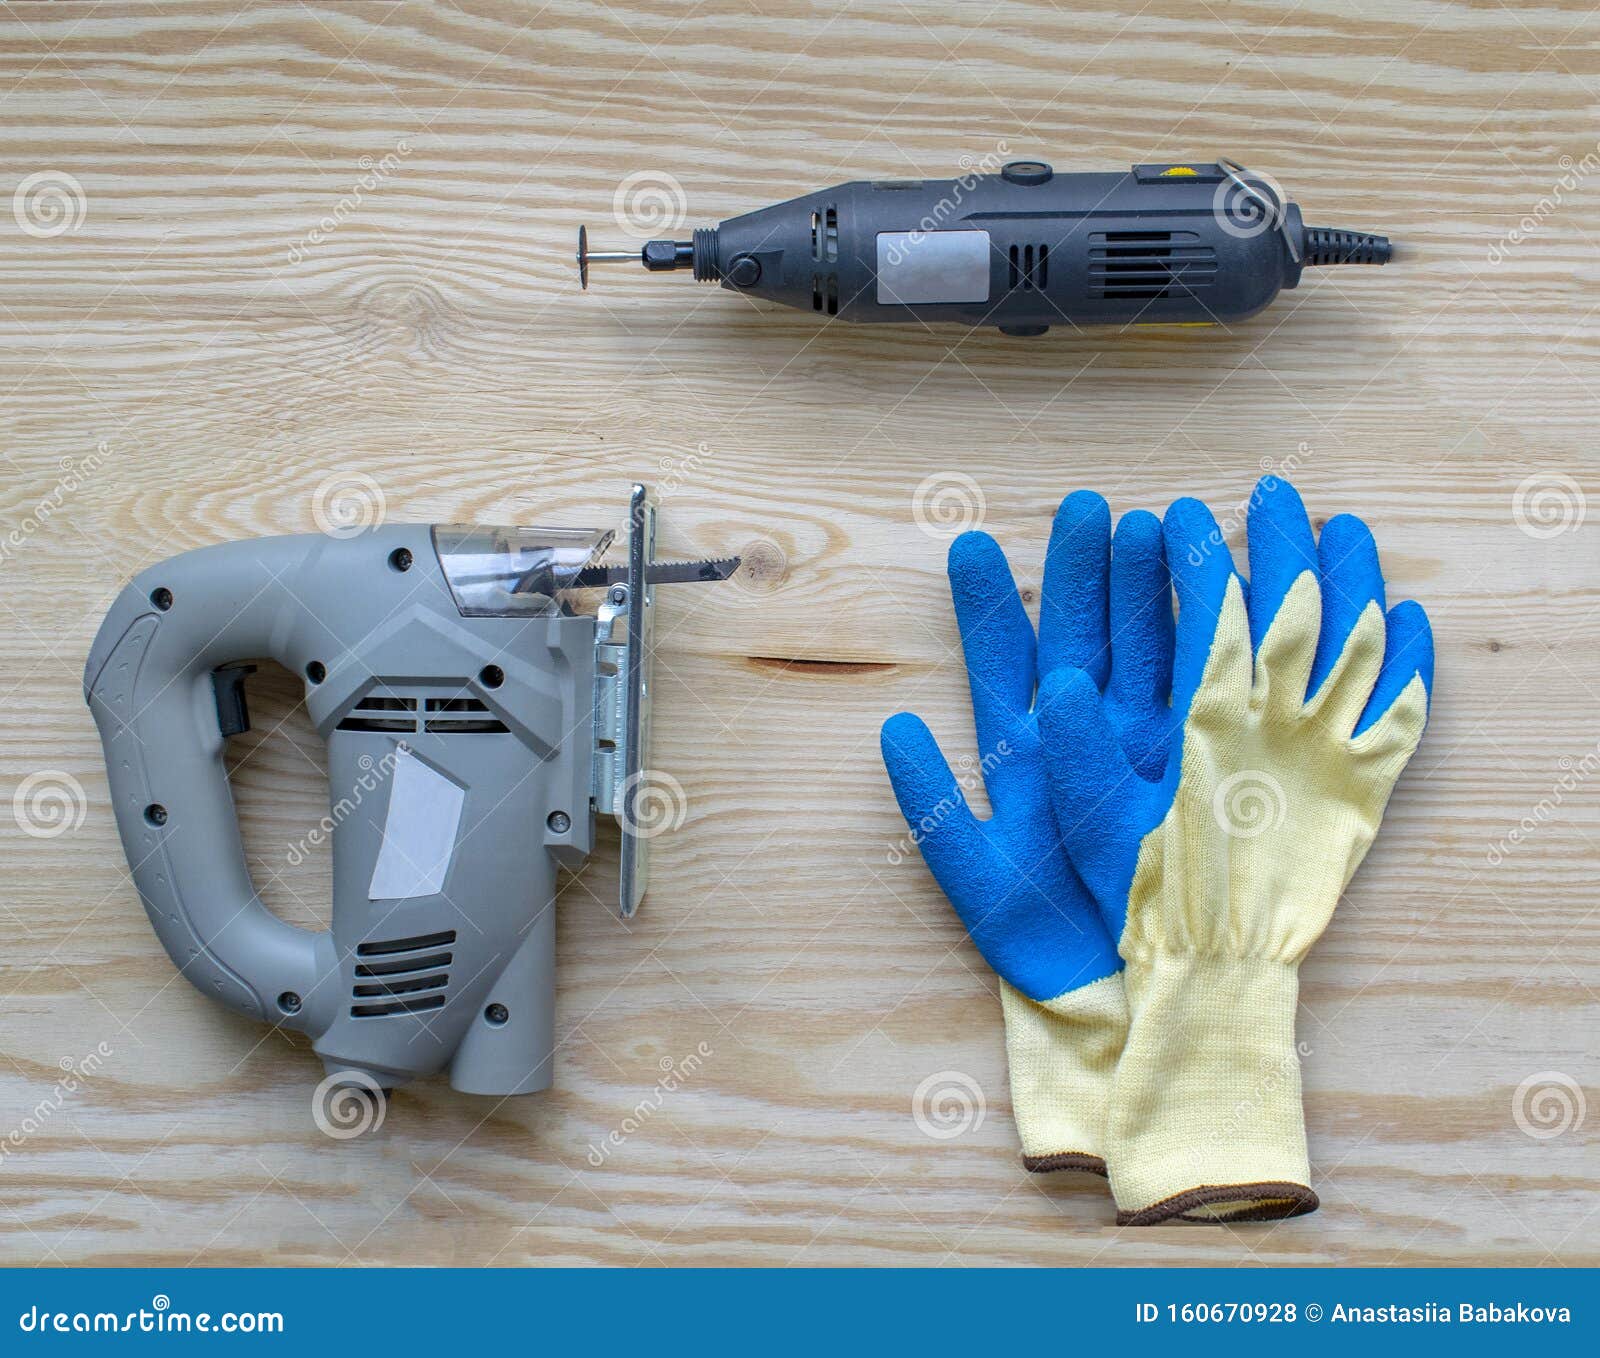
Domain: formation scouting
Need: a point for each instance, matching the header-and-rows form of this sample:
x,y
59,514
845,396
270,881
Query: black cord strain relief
x,y
706,268
1329,245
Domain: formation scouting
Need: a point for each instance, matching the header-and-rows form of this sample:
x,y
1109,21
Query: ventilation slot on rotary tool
x,y
460,716
1149,265
374,713
825,250
402,975
1030,268
825,235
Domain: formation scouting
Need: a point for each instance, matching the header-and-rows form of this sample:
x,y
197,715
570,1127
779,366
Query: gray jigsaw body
x,y
461,770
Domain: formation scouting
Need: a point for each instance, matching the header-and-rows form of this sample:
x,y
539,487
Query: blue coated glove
x,y
1301,699
1104,613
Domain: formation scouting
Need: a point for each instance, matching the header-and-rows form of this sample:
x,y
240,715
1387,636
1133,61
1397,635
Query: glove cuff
x,y
1207,1122
1062,1055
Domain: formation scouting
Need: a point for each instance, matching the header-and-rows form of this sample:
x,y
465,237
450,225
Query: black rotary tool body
x,y
1023,249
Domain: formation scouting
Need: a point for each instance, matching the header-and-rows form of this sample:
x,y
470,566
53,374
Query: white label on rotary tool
x,y
419,833
932,266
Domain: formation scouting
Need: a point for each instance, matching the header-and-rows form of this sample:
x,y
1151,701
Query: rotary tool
x,y
476,722
1203,242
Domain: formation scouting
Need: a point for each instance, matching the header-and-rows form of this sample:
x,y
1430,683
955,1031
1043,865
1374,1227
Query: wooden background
x,y
187,364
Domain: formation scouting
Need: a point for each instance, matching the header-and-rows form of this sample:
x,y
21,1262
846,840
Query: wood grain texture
x,y
188,365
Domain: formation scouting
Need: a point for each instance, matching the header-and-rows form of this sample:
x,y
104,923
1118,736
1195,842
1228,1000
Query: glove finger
x,y
996,637
951,838
1338,703
1285,652
1347,564
1029,916
1141,613
1202,568
1092,785
1073,628
1408,653
1282,548
1390,729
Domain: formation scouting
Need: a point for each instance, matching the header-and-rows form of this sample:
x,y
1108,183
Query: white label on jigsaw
x,y
419,833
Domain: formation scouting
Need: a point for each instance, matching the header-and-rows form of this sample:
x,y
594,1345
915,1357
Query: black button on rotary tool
x,y
744,272
1029,172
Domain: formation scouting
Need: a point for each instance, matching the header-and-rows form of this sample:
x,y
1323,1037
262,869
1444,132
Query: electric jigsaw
x,y
477,721
1201,242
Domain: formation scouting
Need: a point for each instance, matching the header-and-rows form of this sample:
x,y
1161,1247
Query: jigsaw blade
x,y
659,573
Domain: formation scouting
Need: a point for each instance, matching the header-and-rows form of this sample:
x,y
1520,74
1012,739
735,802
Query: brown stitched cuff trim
x,y
1278,1201
1043,1164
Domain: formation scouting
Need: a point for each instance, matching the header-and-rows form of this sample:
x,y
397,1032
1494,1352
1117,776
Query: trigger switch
x,y
227,682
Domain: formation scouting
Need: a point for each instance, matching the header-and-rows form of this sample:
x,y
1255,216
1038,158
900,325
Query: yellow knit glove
x,y
1274,801
1062,1054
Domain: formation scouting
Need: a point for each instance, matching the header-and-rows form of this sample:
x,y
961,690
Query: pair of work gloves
x,y
1177,805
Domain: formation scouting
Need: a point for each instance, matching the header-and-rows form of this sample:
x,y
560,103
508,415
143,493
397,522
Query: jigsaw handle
x,y
149,684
